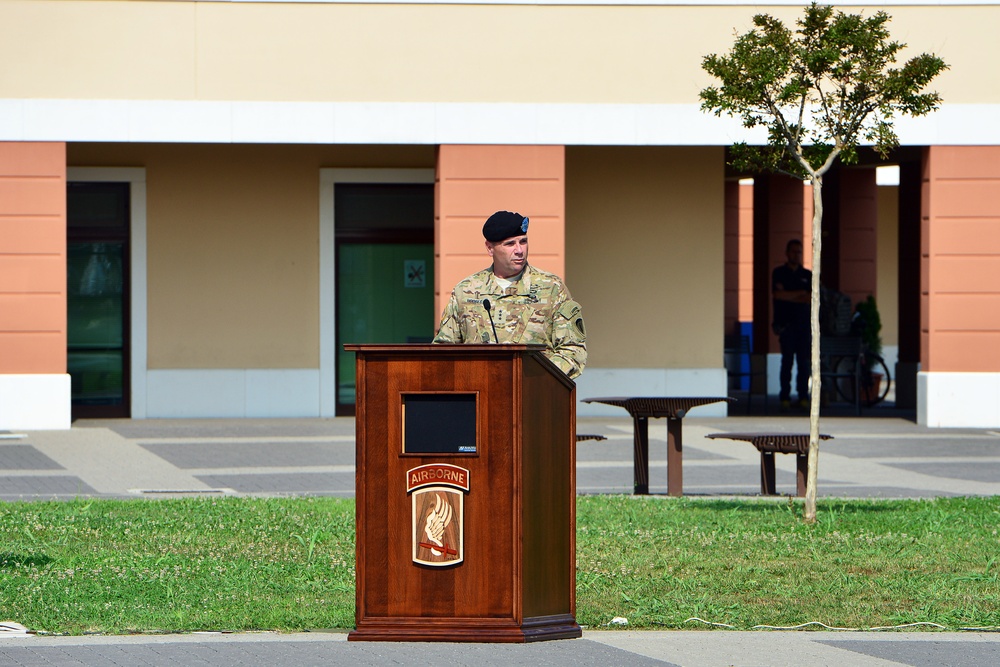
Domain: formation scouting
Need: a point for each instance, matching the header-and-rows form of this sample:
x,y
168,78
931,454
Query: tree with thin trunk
x,y
820,92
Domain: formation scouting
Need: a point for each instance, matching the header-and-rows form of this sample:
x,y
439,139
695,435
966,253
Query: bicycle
x,y
874,379
848,365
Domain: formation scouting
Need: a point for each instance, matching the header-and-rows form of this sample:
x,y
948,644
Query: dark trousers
x,y
795,342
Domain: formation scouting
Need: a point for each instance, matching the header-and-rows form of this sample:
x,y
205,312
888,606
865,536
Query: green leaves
x,y
820,91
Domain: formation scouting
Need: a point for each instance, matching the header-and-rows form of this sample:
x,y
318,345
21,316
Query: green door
x,y
97,289
96,327
385,295
385,270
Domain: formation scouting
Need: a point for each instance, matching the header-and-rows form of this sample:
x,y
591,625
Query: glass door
x,y
97,299
383,296
385,271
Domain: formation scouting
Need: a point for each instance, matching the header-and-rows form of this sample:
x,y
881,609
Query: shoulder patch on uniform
x,y
570,310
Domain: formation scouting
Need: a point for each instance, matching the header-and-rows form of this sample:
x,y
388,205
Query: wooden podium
x,y
466,494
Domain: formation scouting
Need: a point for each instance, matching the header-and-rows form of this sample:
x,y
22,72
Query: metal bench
x,y
769,444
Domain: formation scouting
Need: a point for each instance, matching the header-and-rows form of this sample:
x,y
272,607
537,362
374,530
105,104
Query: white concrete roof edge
x,y
249,121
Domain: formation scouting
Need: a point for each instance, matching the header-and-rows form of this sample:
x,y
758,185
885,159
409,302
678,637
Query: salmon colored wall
x,y
32,257
473,182
858,233
960,268
739,254
746,253
789,218
807,225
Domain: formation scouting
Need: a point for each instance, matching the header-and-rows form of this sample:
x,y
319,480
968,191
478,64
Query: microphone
x,y
486,307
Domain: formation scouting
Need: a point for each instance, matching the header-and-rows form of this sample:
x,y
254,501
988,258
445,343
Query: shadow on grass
x,y
752,504
9,560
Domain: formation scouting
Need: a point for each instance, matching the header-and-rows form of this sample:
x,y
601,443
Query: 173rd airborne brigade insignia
x,y
438,495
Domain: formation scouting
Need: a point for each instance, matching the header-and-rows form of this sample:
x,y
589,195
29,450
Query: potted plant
x,y
868,325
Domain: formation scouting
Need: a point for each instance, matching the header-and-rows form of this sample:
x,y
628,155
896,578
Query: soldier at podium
x,y
513,302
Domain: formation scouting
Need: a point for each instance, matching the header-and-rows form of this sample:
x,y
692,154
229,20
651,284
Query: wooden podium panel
x,y
462,545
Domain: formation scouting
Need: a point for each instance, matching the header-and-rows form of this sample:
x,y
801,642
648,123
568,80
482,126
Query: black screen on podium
x,y
439,423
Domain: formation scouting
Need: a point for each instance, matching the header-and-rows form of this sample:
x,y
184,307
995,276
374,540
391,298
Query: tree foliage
x,y
819,91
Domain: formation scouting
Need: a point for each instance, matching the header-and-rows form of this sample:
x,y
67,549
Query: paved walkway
x,y
595,649
882,456
878,457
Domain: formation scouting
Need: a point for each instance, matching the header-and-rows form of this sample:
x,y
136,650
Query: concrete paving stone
x,y
336,484
197,454
140,429
965,446
25,457
44,485
586,452
103,656
977,471
580,653
924,653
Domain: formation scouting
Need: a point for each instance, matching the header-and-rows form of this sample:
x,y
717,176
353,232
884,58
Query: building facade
x,y
201,202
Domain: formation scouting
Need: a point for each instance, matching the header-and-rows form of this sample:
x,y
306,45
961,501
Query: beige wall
x,y
233,256
450,53
644,254
888,263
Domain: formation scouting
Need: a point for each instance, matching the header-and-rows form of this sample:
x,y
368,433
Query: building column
x,y
959,381
34,384
908,286
858,233
473,182
782,210
778,216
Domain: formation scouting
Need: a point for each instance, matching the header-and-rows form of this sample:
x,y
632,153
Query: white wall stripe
x,y
169,121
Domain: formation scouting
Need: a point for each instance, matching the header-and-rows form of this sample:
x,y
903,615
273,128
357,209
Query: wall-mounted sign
x,y
414,273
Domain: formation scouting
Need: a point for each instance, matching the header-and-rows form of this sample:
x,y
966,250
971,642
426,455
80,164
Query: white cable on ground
x,y
701,620
799,626
987,628
908,625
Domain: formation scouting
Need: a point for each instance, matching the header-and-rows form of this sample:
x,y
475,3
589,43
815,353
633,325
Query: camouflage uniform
x,y
536,309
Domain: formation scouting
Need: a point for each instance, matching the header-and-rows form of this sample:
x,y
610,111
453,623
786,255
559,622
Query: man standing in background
x,y
791,285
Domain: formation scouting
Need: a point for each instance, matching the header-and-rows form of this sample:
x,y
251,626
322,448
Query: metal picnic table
x,y
673,408
769,444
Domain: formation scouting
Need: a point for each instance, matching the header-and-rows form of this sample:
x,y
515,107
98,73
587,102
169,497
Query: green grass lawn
x,y
120,566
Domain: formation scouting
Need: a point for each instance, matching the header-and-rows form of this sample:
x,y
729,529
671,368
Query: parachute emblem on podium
x,y
438,513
